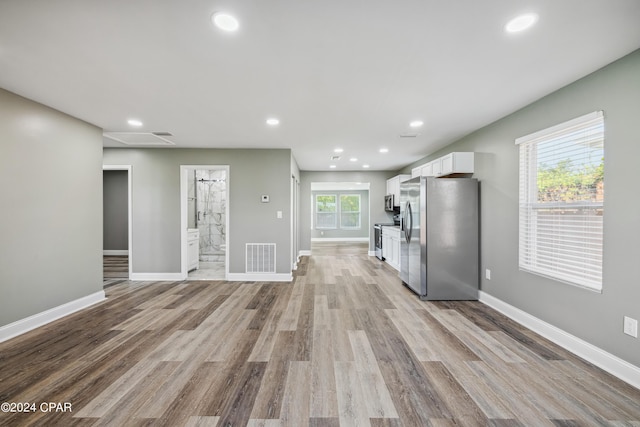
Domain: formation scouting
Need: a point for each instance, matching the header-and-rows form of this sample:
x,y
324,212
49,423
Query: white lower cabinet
x,y
193,249
391,246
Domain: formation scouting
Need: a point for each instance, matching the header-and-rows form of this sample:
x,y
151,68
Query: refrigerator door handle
x,y
408,216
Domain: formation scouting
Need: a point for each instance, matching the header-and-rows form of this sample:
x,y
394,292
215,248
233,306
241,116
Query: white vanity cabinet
x,y
391,246
193,249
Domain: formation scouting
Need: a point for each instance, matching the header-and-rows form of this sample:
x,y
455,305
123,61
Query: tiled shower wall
x,y
208,196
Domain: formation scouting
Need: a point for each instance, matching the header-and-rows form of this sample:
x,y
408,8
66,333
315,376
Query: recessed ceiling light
x,y
338,150
353,159
273,121
365,166
224,21
332,166
416,123
134,122
521,23
384,150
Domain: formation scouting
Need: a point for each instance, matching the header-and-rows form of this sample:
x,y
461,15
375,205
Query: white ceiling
x,y
349,73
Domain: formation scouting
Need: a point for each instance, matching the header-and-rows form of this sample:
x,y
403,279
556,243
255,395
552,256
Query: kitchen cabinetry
x,y
391,246
393,187
193,249
452,163
456,162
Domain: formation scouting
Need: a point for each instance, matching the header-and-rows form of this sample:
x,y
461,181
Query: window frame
x,y
335,212
548,230
342,211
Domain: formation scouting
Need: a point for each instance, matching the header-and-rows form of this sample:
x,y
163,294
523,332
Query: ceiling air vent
x,y
408,135
335,157
145,139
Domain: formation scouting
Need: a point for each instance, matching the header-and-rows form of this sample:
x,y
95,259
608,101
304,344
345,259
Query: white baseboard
x,y
372,253
21,326
340,239
305,253
115,252
259,277
159,277
604,360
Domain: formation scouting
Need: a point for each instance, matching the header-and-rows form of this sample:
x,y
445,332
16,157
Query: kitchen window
x,y
350,211
334,211
561,201
326,211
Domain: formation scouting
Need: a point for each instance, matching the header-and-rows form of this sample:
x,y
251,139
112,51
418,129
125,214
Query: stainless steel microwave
x,y
388,203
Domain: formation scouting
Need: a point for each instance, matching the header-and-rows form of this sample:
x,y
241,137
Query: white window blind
x,y
561,201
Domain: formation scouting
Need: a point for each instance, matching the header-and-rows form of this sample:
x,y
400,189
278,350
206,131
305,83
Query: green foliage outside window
x,y
566,183
325,203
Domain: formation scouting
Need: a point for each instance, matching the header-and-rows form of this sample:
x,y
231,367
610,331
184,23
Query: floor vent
x,y
261,258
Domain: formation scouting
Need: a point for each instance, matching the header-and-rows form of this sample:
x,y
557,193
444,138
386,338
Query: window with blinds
x,y
326,211
561,201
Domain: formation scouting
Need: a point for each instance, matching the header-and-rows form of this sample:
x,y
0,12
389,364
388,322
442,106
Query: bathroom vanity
x,y
193,249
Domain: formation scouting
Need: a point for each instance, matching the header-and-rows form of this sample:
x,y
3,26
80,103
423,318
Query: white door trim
x,y
129,170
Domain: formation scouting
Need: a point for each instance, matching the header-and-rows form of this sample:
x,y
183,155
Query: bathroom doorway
x,y
206,222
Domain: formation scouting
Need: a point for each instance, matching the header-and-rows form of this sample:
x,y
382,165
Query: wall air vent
x,y
142,139
261,258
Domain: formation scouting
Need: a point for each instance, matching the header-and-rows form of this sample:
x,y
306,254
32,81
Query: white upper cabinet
x,y
457,162
452,163
393,187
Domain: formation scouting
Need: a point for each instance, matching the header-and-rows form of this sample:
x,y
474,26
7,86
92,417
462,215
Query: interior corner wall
x,y
377,190
51,216
595,318
156,204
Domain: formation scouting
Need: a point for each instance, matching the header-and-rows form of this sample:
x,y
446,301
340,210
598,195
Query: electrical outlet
x,y
487,274
630,326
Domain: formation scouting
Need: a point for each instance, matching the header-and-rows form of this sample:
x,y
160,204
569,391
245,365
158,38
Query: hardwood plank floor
x,y
345,344
115,269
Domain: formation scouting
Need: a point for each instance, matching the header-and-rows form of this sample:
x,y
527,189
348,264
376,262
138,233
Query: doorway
x,y
117,245
205,221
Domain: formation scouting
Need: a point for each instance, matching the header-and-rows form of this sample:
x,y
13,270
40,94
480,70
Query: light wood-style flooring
x,y
344,344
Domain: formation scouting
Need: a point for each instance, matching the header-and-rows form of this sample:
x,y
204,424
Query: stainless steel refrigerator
x,y
439,240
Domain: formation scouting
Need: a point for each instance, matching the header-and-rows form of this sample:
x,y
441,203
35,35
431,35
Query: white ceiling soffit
x,y
145,139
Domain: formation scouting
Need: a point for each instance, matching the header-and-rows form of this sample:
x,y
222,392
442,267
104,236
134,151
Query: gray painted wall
x,y
339,233
377,190
115,207
594,317
51,216
156,203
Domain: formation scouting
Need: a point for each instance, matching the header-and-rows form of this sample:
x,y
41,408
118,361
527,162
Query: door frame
x,y
129,170
184,211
